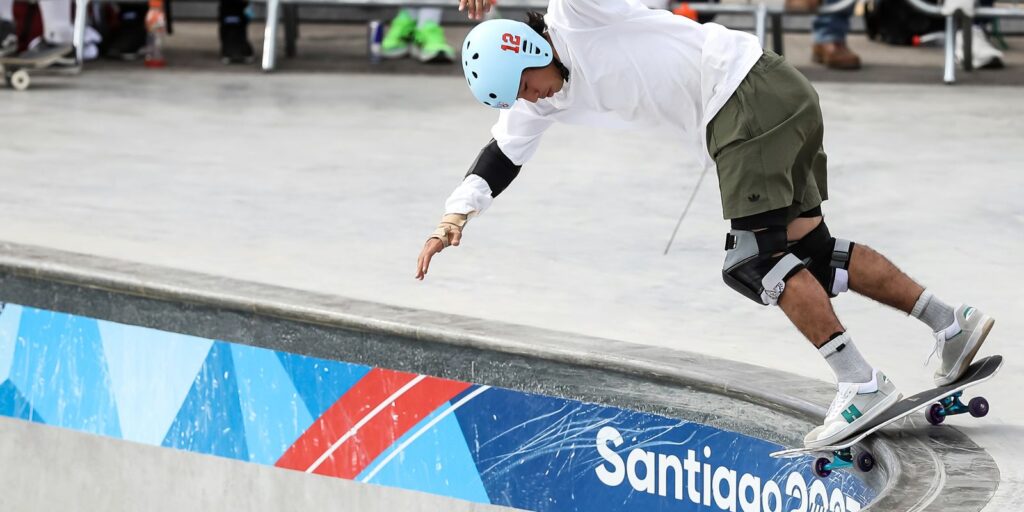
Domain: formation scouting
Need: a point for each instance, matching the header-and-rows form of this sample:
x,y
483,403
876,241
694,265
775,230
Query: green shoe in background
x,y
431,45
399,36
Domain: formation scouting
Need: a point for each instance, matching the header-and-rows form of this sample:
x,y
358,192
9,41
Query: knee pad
x,y
828,258
757,264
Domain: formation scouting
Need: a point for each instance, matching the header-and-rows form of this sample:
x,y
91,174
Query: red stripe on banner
x,y
375,387
356,453
374,435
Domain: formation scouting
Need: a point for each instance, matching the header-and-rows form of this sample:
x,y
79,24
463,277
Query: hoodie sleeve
x,y
519,129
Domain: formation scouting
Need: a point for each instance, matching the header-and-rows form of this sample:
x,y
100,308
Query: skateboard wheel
x,y
820,469
936,414
19,80
978,407
865,461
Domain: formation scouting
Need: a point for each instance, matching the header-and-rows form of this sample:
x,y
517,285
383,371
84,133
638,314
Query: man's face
x,y
539,83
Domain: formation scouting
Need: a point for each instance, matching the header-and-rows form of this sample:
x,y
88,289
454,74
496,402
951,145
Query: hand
x,y
432,247
477,8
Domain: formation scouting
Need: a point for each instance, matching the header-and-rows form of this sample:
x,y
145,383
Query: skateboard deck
x,y
15,68
41,60
944,401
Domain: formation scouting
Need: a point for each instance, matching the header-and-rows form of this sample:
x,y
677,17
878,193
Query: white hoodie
x,y
629,67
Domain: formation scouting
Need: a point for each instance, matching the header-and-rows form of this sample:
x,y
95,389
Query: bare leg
x,y
804,301
808,306
871,274
875,277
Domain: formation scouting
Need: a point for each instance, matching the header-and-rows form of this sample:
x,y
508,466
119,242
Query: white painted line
x,y
355,428
422,431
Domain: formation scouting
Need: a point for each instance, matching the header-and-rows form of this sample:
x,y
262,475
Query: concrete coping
x,y
924,468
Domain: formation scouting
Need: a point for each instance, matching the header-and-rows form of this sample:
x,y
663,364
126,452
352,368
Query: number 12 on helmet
x,y
494,55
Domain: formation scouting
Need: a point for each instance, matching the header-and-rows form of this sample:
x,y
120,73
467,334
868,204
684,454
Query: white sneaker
x,y
984,55
854,405
959,343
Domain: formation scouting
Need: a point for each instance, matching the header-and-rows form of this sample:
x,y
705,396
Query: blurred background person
x,y
899,23
983,54
8,32
127,38
57,36
829,34
417,34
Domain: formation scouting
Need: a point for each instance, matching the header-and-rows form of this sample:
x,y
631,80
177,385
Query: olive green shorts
x,y
766,141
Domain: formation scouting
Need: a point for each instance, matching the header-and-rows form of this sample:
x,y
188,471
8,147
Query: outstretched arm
x,y
477,8
490,174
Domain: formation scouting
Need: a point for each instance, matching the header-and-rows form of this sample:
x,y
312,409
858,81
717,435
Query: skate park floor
x,y
329,182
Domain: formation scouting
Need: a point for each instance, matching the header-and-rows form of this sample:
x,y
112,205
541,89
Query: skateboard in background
x,y
18,69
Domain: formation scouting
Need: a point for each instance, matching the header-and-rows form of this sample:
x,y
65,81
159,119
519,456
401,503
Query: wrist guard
x,y
450,223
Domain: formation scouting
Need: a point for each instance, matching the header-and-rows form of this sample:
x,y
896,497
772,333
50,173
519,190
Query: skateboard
x,y
16,68
938,403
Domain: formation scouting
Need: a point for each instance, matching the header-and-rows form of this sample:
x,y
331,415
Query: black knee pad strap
x,y
827,258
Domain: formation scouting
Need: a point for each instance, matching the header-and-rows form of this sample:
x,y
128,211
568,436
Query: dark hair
x,y
536,21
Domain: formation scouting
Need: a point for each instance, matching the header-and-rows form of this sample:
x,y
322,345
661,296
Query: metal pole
x,y
761,17
777,34
270,34
967,33
81,15
685,210
949,75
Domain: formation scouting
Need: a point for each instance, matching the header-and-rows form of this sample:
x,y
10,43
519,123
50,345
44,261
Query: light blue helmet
x,y
494,56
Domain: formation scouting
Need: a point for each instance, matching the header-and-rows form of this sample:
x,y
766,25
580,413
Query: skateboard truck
x,y
951,405
841,459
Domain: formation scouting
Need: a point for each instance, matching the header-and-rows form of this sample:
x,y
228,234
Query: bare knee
x,y
800,226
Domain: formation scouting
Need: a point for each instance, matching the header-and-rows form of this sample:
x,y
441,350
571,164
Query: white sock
x,y
427,14
845,360
933,312
57,27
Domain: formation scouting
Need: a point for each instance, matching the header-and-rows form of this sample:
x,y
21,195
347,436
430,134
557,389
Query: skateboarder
x,y
743,110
